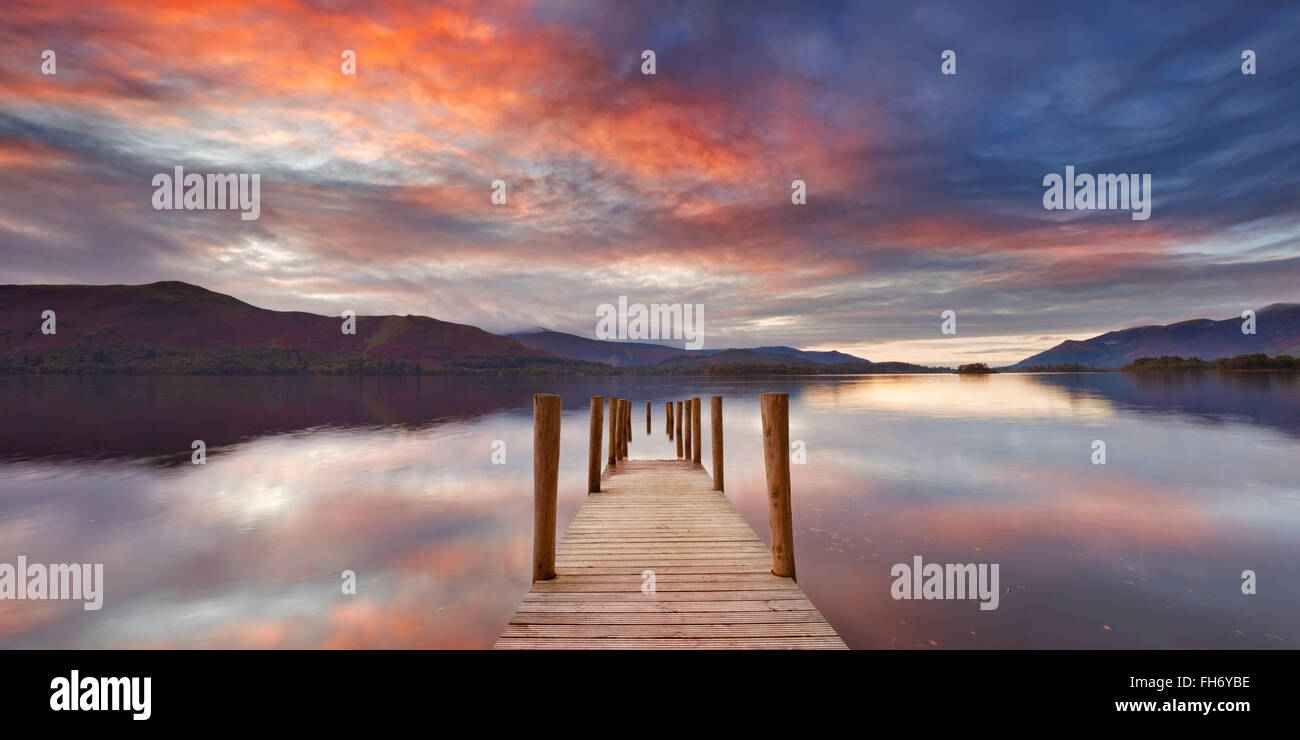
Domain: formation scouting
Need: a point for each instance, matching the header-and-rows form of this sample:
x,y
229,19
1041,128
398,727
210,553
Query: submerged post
x,y
613,443
679,428
546,469
776,456
593,446
695,426
715,404
668,418
647,418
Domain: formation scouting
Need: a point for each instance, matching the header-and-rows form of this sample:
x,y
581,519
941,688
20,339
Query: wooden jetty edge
x,y
657,557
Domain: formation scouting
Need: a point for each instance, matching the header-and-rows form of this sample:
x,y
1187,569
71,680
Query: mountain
x,y
618,354
829,357
177,328
181,316
631,354
738,357
1277,330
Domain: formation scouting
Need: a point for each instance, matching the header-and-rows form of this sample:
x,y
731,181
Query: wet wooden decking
x,y
713,581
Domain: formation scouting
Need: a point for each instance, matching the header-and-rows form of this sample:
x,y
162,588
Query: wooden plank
x,y
713,581
605,587
767,617
607,631
672,643
666,607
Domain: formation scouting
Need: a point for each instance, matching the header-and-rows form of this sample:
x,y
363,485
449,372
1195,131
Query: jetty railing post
x,y
776,456
546,470
715,405
695,424
593,446
647,418
613,443
679,428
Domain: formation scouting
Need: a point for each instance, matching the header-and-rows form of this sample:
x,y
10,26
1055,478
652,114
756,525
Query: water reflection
x,y
393,479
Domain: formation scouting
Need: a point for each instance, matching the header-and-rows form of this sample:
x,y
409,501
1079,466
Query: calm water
x,y
393,479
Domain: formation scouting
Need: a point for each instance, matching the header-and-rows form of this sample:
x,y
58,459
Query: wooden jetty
x,y
657,557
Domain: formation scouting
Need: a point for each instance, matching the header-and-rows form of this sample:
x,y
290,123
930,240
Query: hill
x,y
1277,332
169,317
618,354
635,354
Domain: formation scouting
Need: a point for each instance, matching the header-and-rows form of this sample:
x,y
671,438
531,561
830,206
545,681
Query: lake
x,y
394,480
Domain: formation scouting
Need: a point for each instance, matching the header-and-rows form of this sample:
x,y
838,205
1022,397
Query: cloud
x,y
924,190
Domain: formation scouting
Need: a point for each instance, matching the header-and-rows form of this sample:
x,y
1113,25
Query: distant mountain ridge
x,y
618,354
1277,331
174,314
632,354
172,326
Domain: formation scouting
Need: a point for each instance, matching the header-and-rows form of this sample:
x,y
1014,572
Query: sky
x,y
924,190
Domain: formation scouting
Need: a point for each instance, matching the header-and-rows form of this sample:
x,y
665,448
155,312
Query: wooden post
x,y
647,418
668,418
613,445
687,424
546,471
621,429
715,404
593,447
627,422
695,425
679,428
776,456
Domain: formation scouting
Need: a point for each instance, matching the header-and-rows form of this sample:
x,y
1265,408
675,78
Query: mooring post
x,y
689,410
776,456
715,404
695,425
647,418
546,470
668,418
627,424
593,446
621,430
613,443
679,428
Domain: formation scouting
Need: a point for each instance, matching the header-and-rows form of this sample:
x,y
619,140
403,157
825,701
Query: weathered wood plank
x,y
767,617
672,643
607,631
